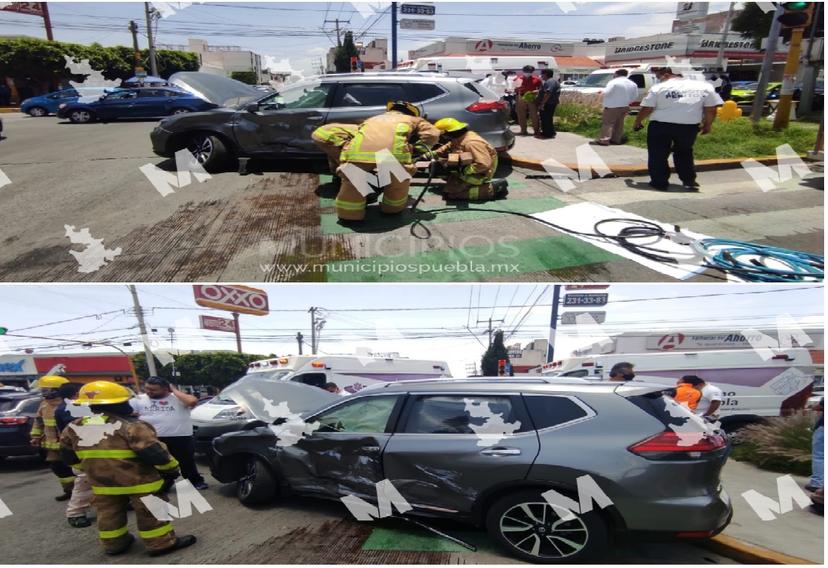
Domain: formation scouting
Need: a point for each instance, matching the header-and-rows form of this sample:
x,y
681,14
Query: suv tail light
x,y
670,442
13,420
486,106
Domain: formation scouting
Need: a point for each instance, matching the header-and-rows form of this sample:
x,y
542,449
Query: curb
x,y
627,170
747,553
9,109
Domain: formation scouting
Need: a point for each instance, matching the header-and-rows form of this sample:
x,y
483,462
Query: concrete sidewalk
x,y
563,149
796,533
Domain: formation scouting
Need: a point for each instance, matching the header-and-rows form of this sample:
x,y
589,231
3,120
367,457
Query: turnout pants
x,y
459,190
81,499
112,523
350,203
523,108
64,473
664,138
182,448
612,124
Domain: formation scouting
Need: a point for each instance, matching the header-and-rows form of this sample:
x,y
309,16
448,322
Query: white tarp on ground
x,y
583,216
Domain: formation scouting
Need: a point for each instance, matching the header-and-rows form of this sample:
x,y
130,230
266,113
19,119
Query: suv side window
x,y
419,92
368,414
30,406
638,79
458,414
313,379
547,411
368,94
578,373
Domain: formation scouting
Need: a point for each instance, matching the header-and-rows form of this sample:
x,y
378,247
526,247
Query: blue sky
x,y
271,28
632,307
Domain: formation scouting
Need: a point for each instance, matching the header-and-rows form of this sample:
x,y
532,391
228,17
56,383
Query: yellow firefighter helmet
x,y
450,125
51,382
102,392
403,106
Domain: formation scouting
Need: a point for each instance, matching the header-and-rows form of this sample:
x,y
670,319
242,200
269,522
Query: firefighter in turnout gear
x,y
124,462
330,138
44,432
470,163
400,131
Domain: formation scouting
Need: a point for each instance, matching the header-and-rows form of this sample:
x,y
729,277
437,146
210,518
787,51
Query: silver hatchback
x,y
279,125
551,470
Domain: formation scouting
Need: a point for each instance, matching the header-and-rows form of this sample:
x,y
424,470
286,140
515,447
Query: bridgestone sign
x,y
644,47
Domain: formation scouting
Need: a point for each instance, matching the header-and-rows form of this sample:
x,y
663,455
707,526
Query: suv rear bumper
x,y
702,514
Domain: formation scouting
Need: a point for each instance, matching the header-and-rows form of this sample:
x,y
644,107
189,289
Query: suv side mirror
x,y
252,107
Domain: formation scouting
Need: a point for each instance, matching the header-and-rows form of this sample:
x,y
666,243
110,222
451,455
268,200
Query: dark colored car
x,y
280,124
149,102
44,105
17,412
485,450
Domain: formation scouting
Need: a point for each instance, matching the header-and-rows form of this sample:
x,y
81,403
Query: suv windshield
x,y
596,80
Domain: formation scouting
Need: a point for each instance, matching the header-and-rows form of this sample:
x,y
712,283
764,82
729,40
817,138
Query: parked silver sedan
x,y
279,125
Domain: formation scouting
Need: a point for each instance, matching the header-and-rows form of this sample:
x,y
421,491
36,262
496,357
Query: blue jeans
x,y
818,458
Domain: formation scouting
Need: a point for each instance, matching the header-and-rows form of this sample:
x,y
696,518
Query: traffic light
x,y
501,367
796,14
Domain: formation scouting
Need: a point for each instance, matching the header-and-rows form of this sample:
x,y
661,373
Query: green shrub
x,y
781,444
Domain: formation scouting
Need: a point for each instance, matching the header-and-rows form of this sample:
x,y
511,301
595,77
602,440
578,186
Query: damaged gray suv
x,y
487,452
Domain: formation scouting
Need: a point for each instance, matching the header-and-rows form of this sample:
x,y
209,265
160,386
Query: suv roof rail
x,y
503,380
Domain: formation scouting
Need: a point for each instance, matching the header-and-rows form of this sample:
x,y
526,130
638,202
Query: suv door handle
x,y
371,448
316,117
500,451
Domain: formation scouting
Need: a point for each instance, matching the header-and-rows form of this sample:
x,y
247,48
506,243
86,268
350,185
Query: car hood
x,y
268,400
216,89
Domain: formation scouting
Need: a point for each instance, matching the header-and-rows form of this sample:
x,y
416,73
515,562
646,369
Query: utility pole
x,y
394,36
336,22
153,63
47,21
767,65
720,61
142,327
806,98
313,330
133,29
553,324
238,331
786,93
172,346
491,330
299,338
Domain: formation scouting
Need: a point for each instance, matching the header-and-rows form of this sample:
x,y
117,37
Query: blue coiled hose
x,y
730,256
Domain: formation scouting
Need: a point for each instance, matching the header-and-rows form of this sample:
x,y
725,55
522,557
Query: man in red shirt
x,y
527,100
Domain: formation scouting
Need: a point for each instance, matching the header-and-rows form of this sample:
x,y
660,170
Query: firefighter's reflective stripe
x,y
46,444
394,202
112,454
114,533
154,533
474,193
66,480
350,205
35,432
50,422
468,174
354,153
151,487
334,135
173,463
400,140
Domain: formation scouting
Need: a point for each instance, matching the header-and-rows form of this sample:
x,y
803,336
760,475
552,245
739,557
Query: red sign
x,y
586,286
232,298
86,365
484,45
217,324
668,342
31,8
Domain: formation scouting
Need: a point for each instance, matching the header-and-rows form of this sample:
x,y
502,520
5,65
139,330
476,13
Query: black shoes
x,y
180,542
63,497
500,188
201,486
658,186
124,548
691,186
79,522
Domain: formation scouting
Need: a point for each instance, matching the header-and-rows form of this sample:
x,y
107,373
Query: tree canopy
x,y
344,52
213,368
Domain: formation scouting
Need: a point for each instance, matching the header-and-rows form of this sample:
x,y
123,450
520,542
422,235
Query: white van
x,y
478,66
640,74
754,383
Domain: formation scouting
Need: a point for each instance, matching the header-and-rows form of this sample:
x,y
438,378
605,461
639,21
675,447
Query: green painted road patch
x,y
410,540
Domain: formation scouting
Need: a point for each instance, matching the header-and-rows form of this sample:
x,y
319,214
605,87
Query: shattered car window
x,y
368,415
269,399
305,95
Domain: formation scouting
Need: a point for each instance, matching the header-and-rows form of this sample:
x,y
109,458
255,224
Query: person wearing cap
x,y
400,132
125,463
678,110
44,433
470,163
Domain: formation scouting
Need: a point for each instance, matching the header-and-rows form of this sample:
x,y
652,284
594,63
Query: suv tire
x,y
257,485
547,539
209,150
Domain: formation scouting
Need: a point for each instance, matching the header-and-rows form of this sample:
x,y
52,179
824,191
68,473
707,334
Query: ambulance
x,y
755,382
477,66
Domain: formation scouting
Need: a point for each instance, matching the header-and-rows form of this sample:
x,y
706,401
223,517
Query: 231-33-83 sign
x,y
586,299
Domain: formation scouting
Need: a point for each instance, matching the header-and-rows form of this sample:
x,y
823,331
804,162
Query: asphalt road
x,y
278,226
293,531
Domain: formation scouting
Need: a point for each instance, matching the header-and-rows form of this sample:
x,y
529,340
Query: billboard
x,y
17,365
232,298
217,324
31,8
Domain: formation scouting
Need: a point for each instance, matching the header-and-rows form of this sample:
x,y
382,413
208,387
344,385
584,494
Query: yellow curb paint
x,y
747,553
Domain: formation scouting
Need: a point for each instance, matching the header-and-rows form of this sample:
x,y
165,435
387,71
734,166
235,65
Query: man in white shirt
x,y
167,409
619,94
675,107
710,401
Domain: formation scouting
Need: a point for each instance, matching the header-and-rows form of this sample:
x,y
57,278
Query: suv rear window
x,y
419,92
367,94
457,414
7,404
548,411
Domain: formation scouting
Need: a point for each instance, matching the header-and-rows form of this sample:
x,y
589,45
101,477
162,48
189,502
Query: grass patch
x,y
779,444
735,139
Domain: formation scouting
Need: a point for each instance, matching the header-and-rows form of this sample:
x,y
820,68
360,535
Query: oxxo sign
x,y
232,298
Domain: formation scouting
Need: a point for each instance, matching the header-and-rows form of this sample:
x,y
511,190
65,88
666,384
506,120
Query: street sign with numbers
x,y
570,318
586,299
418,9
406,24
